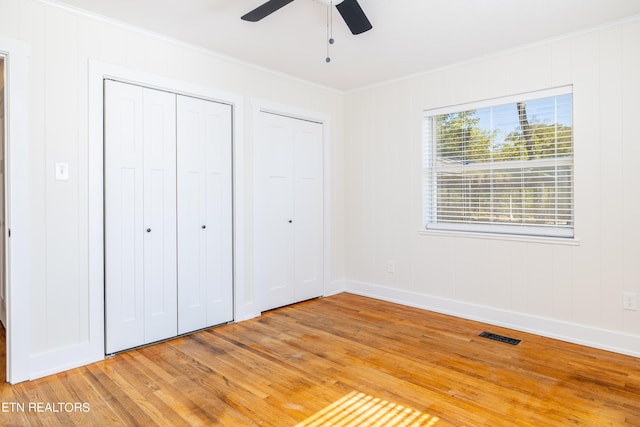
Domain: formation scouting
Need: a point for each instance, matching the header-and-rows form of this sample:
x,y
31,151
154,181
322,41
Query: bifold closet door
x,y
288,210
140,215
205,247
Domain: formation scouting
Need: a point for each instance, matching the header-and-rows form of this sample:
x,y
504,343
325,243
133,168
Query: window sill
x,y
569,241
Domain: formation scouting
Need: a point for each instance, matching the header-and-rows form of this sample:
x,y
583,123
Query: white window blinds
x,y
501,166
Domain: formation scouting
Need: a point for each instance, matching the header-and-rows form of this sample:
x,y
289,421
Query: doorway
x,y
14,235
3,281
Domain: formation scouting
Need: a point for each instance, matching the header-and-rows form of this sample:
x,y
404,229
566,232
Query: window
x,y
501,166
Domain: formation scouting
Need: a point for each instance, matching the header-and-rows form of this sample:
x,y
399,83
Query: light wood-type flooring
x,y
344,360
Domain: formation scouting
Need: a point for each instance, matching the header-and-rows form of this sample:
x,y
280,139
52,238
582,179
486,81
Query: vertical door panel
x,y
189,274
123,157
205,273
273,211
127,256
309,209
219,213
160,271
191,313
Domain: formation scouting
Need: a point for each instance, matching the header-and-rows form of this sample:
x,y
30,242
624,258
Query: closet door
x,y
205,248
159,188
273,211
288,210
308,205
140,230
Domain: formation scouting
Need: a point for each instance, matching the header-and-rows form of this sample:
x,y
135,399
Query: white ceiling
x,y
408,36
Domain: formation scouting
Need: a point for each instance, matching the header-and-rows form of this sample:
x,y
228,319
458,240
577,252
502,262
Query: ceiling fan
x,y
350,10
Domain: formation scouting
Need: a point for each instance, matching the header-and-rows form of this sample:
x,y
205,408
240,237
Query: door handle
x,y
290,221
148,230
204,226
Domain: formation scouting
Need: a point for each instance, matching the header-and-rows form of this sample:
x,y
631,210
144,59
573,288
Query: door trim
x,y
263,106
17,195
98,71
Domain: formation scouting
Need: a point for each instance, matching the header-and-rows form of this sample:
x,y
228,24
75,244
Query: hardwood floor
x,y
342,360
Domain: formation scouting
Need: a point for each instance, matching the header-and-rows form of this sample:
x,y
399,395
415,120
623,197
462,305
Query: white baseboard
x,y
335,287
571,332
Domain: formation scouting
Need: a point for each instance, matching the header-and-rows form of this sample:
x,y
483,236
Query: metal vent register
x,y
500,338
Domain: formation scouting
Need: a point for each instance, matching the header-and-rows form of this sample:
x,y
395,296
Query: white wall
x,y
61,43
571,291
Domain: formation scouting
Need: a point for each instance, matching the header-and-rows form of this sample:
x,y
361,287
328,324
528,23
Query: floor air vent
x,y
500,338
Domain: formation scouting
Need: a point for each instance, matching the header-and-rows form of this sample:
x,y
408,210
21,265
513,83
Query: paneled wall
x,y
570,290
61,44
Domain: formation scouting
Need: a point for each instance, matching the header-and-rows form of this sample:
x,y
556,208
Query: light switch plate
x,y
62,171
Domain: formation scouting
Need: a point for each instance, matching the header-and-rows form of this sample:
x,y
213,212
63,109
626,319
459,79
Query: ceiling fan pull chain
x,y
331,40
328,58
329,28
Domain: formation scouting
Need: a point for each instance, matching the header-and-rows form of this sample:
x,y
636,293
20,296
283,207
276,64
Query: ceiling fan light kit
x,y
350,10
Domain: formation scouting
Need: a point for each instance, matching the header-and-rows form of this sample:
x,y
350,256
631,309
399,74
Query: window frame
x,y
429,172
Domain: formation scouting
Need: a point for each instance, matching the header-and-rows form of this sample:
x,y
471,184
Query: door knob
x,y
290,221
204,226
148,230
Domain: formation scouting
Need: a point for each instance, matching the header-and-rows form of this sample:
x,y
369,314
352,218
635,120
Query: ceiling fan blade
x,y
354,16
265,10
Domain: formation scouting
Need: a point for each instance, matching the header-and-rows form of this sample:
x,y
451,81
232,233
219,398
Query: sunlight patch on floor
x,y
360,409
